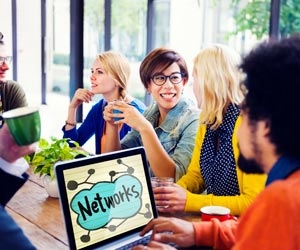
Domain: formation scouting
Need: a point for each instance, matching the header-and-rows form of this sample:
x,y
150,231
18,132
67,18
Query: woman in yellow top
x,y
213,176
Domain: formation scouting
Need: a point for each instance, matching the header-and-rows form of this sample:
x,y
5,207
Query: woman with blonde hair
x,y
213,176
109,77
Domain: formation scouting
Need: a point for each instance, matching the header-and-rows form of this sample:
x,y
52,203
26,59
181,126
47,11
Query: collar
x,y
171,119
283,168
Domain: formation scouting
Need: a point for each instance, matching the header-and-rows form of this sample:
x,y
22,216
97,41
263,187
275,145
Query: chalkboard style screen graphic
x,y
105,198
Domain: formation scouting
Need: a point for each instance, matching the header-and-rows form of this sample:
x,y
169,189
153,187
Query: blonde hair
x,y
216,69
118,67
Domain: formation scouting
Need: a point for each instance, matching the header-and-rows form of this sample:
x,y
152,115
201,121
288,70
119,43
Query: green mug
x,y
24,124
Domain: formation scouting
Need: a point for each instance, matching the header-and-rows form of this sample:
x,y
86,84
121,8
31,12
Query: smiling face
x,y
103,83
5,66
169,94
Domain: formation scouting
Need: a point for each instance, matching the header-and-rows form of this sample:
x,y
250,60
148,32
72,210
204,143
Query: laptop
x,y
106,199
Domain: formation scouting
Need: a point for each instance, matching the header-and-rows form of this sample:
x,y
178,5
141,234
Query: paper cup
x,y
24,124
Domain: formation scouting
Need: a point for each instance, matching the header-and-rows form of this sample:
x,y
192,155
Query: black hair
x,y
273,86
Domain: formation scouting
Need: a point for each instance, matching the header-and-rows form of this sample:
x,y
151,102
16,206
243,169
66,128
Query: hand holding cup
x,y
161,182
24,124
217,212
9,150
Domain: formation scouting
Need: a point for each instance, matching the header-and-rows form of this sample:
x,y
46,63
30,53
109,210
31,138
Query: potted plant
x,y
48,153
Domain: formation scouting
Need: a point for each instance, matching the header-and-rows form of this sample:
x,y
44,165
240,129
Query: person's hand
x,y
108,114
170,199
129,115
9,149
153,245
80,96
170,229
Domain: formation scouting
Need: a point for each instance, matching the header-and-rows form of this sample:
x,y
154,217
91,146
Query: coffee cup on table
x,y
218,212
24,124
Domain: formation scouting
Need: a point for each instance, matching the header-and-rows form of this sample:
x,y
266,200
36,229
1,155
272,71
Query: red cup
x,y
217,212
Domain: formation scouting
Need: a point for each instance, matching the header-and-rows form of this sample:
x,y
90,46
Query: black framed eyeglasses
x,y
161,79
6,59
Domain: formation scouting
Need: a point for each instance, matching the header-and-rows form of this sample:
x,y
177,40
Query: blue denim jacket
x,y
177,133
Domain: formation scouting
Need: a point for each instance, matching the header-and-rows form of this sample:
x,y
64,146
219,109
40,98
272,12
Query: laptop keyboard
x,y
141,241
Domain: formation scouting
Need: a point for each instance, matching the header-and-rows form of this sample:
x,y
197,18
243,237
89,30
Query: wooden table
x,y
41,218
38,215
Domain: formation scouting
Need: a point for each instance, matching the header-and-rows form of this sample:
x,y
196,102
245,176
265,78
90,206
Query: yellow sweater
x,y
250,184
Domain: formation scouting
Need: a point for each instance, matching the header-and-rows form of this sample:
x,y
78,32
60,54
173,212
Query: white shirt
x,y
16,168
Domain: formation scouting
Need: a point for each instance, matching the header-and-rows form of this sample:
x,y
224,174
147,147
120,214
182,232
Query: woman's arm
x,y
87,128
250,184
80,96
193,180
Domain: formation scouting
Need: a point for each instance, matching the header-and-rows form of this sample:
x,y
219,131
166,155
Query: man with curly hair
x,y
268,139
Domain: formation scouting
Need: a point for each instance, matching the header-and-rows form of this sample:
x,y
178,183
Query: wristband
x,y
70,124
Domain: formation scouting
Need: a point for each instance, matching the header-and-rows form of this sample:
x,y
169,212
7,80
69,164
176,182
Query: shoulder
x,y
98,107
100,104
186,105
151,111
281,195
279,198
10,84
285,189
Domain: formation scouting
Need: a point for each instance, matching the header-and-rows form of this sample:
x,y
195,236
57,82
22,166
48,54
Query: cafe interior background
x,y
54,42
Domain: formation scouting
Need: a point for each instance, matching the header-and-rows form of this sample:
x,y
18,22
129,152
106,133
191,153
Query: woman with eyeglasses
x,y
213,176
168,127
11,93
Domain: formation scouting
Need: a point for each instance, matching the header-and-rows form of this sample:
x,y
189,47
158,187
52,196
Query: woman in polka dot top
x,y
213,176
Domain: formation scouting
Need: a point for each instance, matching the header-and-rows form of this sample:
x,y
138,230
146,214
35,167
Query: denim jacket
x,y
177,133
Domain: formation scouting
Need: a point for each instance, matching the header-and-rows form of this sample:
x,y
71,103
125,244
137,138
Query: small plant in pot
x,y
48,153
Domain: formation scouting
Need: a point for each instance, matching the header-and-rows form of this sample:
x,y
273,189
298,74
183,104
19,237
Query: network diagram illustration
x,y
99,206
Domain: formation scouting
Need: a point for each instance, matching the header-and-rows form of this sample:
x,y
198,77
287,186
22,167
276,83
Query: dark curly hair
x,y
272,82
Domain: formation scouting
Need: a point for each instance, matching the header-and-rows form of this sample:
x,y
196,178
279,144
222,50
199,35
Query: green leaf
x,y
254,16
50,152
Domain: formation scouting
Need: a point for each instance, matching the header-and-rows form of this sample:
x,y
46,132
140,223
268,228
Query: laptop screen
x,y
105,197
